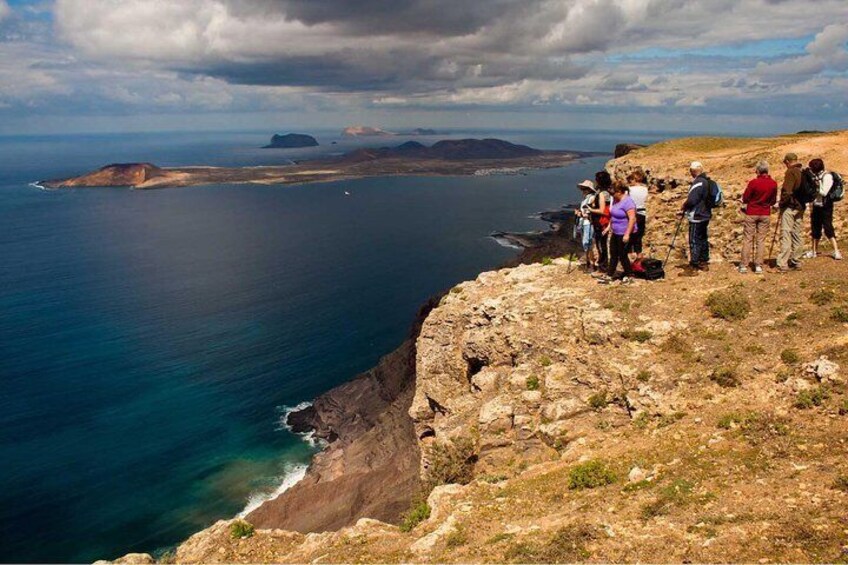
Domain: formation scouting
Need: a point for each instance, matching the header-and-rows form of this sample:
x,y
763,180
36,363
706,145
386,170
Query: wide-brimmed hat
x,y
587,185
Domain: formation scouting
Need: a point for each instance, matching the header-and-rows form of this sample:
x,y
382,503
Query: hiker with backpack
x,y
829,190
794,196
759,198
600,212
704,195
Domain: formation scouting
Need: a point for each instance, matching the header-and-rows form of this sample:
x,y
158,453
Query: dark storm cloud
x,y
372,17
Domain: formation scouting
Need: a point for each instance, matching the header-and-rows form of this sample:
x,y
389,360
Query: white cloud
x,y
5,10
827,52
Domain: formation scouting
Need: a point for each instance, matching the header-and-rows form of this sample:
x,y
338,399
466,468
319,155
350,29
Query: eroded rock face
x,y
507,361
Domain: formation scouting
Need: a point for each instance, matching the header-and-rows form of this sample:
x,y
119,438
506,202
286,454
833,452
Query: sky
x,y
735,66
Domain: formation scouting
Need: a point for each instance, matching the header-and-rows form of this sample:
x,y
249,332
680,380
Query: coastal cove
x,y
189,319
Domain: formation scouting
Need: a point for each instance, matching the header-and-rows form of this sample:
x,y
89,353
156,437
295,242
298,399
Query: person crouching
x,y
622,227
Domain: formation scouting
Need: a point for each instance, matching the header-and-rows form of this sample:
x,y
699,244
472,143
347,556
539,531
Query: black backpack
x,y
809,187
715,195
837,191
649,269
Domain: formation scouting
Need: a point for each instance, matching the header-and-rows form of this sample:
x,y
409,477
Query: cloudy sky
x,y
708,65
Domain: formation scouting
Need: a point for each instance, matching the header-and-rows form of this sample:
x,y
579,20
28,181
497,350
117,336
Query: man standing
x,y
791,216
699,212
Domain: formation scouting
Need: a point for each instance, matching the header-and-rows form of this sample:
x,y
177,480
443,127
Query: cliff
x,y
558,420
291,140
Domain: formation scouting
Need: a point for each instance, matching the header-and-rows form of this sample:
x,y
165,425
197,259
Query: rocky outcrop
x,y
291,140
623,149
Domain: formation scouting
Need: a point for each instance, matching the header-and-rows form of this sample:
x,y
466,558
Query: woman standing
x,y
600,215
759,198
622,227
822,211
639,193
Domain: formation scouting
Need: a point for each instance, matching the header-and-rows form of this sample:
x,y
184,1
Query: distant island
x,y
446,157
291,140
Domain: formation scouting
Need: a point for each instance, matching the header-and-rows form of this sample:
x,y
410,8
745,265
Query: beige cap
x,y
696,166
790,158
587,184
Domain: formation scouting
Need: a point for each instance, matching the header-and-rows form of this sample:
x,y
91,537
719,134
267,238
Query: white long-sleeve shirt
x,y
825,184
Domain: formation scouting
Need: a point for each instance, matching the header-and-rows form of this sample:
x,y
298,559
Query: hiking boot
x,y
758,269
704,267
795,266
743,269
783,270
689,271
837,255
810,255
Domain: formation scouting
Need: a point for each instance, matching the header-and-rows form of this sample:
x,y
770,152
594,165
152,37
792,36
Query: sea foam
x,y
293,475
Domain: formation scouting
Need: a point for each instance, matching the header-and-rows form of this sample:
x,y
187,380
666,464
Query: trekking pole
x,y
673,239
774,237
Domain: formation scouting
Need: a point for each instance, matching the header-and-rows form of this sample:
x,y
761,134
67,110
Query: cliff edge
x,y
557,420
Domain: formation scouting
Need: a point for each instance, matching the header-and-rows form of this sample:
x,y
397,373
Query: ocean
x,y
151,340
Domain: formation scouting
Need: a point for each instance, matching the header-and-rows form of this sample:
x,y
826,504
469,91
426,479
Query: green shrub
x,y
843,408
497,538
668,419
599,401
547,261
241,529
822,296
730,304
807,399
839,315
451,463
841,483
725,377
754,348
456,538
590,474
640,336
790,356
533,382
545,361
678,494
730,420
419,512
567,545
643,376
642,420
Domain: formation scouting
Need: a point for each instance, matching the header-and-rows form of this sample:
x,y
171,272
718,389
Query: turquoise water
x,y
150,340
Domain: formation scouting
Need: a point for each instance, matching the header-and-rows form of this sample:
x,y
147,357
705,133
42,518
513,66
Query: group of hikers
x,y
612,219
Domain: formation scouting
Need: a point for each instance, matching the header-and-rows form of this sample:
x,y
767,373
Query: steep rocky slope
x,y
693,419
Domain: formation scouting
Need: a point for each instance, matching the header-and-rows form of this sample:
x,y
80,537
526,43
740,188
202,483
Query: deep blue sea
x,y
150,340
